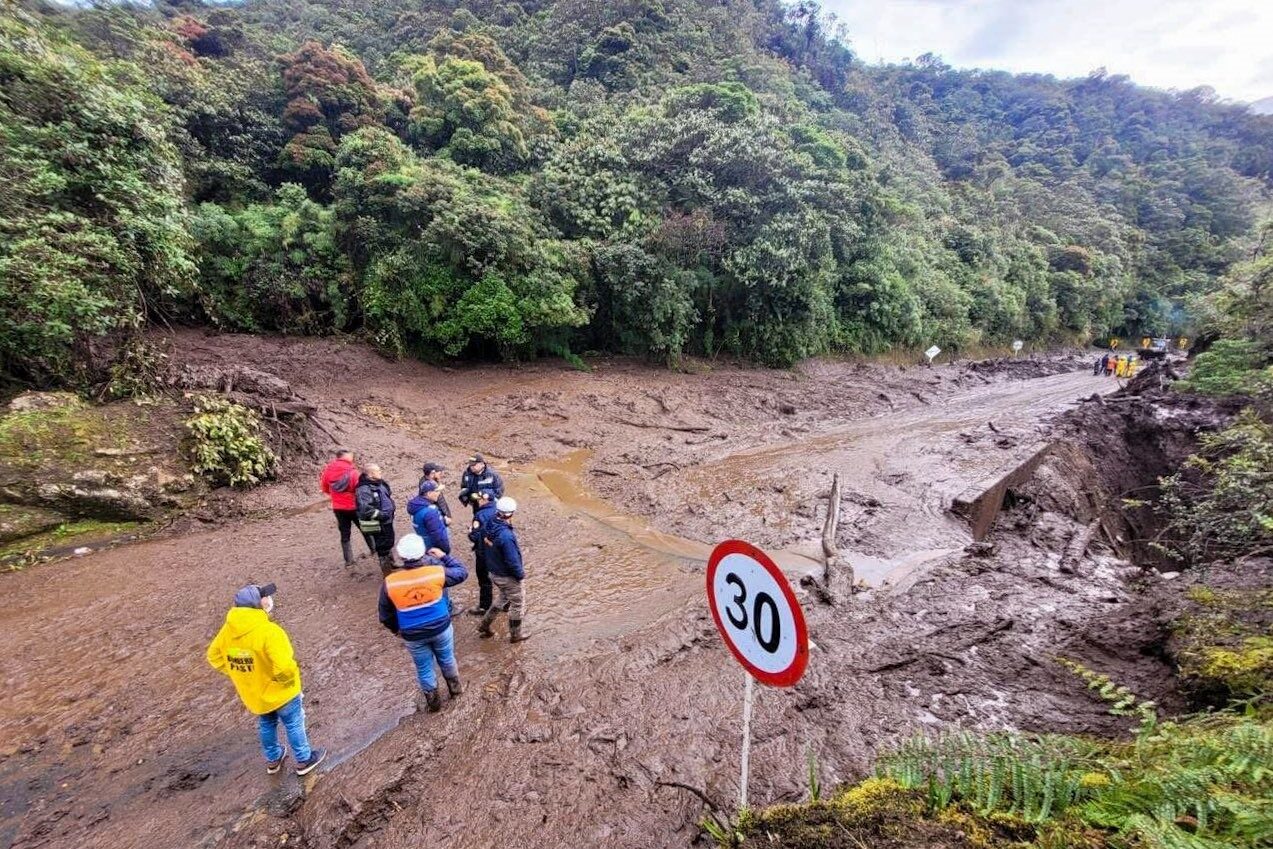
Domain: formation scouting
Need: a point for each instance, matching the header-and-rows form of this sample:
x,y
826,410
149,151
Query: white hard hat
x,y
506,505
411,547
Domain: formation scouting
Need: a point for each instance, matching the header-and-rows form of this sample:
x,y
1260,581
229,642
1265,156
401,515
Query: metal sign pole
x,y
746,759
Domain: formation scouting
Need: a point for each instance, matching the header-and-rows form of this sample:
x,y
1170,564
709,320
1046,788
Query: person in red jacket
x,y
338,480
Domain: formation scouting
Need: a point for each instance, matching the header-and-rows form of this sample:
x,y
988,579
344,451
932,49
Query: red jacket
x,y
338,480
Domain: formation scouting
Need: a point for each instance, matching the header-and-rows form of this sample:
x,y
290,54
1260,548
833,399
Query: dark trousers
x,y
382,541
345,520
484,592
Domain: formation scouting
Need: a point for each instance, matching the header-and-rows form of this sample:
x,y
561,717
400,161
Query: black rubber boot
x,y
515,634
484,630
429,699
454,687
386,564
347,549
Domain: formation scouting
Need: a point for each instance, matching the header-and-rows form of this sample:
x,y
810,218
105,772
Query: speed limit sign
x,y
757,613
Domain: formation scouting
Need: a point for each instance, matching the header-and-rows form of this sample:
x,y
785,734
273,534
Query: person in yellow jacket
x,y
256,655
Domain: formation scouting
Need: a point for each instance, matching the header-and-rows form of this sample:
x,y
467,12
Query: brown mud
x,y
116,734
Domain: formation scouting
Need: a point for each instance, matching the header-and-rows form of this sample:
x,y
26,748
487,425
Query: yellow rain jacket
x,y
257,655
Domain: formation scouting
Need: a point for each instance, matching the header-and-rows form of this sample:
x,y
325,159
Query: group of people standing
x,y
1116,365
414,603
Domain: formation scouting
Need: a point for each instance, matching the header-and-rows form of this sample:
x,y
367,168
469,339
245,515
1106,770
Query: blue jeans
x,y
424,651
292,715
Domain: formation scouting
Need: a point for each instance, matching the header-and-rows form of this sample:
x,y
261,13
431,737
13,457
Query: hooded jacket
x,y
338,481
503,554
429,524
375,501
413,600
257,656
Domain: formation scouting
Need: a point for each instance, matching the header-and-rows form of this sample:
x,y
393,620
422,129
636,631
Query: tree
x,y
92,235
472,104
329,94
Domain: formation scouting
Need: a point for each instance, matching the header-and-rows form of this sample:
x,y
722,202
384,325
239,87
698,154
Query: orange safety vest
x,y
412,588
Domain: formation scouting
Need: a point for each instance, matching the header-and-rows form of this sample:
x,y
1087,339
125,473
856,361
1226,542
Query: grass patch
x,y
68,433
23,552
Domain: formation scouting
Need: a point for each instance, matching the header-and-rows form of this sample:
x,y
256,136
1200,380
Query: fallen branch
x,y
1078,547
835,567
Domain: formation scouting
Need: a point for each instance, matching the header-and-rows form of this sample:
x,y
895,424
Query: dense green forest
x,y
487,178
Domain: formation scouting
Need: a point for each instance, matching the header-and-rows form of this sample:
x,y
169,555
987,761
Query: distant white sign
x,y
932,352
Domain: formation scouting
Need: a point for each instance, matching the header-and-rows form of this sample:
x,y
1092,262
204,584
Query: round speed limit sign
x,y
757,613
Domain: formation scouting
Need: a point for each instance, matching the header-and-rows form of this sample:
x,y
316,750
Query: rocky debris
x,y
43,401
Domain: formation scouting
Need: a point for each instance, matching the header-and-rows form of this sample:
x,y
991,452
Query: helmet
x,y
506,505
411,547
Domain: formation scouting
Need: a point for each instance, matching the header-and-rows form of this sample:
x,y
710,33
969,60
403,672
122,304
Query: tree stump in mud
x,y
837,571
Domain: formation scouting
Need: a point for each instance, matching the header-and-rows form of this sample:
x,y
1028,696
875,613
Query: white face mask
x,y
267,604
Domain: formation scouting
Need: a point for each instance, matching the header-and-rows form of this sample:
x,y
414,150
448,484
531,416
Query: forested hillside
x,y
478,178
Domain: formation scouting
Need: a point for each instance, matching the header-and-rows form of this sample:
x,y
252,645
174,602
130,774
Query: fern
x,y
1203,782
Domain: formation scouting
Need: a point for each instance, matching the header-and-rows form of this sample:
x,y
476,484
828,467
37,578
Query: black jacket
x,y
374,501
470,483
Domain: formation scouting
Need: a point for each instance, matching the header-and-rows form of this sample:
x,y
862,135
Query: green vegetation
x,y
14,554
1223,645
1202,782
658,177
228,443
1220,504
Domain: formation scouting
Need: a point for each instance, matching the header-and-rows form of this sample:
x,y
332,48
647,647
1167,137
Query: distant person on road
x,y
433,472
374,499
256,655
414,605
1099,368
338,481
504,562
1110,365
427,517
478,476
482,517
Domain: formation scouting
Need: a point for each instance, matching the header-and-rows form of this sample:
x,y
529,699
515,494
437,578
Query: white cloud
x,y
1181,44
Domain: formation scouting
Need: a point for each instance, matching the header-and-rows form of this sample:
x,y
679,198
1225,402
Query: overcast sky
x,y
1226,44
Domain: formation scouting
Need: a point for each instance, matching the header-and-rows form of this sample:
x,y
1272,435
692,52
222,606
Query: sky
x,y
1181,44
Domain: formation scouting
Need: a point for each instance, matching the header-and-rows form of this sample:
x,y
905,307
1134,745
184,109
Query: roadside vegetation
x,y
655,177
1199,781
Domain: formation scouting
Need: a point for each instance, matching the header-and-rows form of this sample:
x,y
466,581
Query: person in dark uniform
x,y
477,477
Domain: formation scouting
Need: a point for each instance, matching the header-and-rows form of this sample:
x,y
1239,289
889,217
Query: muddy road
x,y
116,734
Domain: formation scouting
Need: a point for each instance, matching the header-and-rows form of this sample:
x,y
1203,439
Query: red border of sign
x,y
792,673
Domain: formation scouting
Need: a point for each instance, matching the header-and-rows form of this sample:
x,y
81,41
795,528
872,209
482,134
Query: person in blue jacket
x,y
504,563
414,605
427,517
481,518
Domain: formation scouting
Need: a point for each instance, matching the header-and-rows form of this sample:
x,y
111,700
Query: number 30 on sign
x,y
757,613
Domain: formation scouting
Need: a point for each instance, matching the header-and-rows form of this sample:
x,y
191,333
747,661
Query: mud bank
x,y
592,730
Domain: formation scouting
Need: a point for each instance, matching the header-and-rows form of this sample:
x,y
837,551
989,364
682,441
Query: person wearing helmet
x,y
414,605
504,563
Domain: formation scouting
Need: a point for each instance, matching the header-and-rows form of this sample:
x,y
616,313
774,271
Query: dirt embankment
x,y
591,732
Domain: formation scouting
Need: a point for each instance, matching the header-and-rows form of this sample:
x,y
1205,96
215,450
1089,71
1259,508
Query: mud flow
x,y
117,734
